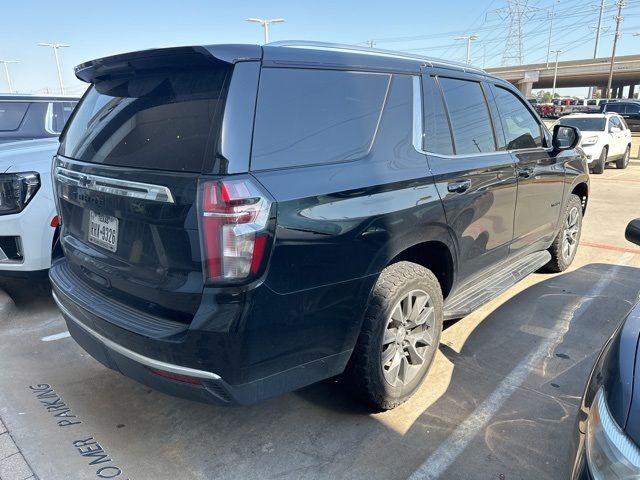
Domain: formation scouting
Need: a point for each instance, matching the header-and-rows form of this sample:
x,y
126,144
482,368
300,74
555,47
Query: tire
x,y
392,358
598,167
623,162
565,245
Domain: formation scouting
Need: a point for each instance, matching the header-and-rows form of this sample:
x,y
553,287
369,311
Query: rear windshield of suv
x,y
164,121
586,124
11,115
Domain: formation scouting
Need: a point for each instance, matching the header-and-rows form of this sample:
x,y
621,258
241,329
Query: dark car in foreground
x,y
606,446
26,117
241,221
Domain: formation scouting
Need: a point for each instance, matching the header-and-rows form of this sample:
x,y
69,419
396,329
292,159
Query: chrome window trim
x,y
418,131
135,356
418,115
113,186
48,120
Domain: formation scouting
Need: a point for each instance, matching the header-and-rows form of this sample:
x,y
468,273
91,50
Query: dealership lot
x,y
500,401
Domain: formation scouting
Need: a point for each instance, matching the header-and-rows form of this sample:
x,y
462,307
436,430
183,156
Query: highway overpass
x,y
575,73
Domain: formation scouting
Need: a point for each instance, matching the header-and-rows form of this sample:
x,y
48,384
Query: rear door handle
x,y
525,172
460,186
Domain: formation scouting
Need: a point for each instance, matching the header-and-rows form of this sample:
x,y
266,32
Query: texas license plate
x,y
103,231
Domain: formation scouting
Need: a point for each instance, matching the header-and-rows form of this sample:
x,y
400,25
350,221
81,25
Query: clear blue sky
x,y
95,29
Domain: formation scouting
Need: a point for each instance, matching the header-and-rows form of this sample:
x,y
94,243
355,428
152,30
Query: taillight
x,y
235,214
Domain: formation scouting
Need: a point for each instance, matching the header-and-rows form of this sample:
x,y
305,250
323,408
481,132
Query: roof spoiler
x,y
190,57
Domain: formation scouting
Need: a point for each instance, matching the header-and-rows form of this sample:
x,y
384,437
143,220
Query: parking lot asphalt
x,y
499,403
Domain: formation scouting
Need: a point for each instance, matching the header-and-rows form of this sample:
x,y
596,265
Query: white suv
x,y
28,221
605,138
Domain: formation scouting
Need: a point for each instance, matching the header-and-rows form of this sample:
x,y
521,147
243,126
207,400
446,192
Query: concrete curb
x,y
6,306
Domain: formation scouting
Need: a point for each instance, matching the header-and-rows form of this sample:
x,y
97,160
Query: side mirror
x,y
615,130
632,233
565,137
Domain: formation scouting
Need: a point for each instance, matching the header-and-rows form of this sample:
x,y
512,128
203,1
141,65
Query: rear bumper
x,y
219,360
138,367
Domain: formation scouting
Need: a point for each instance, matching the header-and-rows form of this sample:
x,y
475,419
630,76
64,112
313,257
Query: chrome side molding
x,y
114,186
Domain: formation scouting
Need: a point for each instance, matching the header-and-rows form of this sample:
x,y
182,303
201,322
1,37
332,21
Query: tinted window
x,y
631,108
160,121
61,113
614,107
521,129
11,114
472,130
585,123
592,102
437,135
307,117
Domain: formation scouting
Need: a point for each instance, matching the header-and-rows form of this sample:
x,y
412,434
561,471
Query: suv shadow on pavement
x,y
28,291
320,432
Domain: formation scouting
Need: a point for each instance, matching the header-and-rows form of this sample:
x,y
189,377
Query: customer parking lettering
x,y
88,446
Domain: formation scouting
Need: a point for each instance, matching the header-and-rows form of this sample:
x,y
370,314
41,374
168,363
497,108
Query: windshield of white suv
x,y
585,124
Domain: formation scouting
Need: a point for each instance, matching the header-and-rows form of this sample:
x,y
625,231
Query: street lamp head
x,y
9,61
54,45
255,20
276,20
471,38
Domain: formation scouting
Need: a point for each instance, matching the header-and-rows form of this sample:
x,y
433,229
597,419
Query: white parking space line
x,y
57,336
618,174
440,460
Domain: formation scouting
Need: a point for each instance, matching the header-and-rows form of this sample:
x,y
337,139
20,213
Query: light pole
x,y
6,70
55,47
553,14
618,19
469,39
555,74
265,24
598,32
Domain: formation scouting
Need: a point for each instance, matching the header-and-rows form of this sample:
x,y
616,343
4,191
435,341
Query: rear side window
x,y
437,134
469,114
11,114
521,129
61,113
307,117
630,108
164,120
614,107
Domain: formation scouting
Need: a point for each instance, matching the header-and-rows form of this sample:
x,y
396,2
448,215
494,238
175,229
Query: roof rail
x,y
433,62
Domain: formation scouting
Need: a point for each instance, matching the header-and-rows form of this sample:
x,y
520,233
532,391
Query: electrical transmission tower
x,y
516,11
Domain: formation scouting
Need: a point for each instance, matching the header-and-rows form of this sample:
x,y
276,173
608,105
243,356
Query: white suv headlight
x,y
589,140
610,452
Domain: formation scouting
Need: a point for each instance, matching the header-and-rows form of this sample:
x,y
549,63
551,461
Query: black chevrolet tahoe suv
x,y
241,221
25,117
